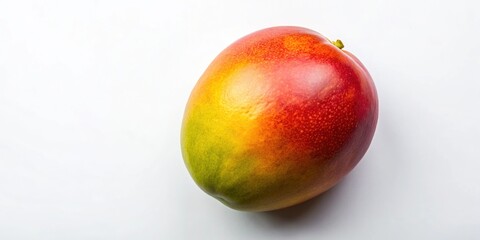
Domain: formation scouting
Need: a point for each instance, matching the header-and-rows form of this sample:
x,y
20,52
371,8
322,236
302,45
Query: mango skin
x,y
277,118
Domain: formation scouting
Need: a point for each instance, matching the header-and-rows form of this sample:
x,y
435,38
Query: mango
x,y
279,117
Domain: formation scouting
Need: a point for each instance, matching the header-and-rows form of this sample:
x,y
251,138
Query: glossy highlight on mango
x,y
277,118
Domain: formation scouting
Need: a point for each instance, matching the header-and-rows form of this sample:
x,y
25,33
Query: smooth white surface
x,y
92,95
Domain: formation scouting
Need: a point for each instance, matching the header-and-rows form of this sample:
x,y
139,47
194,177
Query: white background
x,y
92,95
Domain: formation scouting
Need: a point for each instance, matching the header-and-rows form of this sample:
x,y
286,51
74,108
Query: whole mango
x,y
277,118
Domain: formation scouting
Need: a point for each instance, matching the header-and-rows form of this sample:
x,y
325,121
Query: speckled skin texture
x,y
278,117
